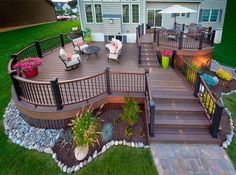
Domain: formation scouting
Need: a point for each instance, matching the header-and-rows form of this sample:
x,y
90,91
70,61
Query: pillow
x,y
80,43
117,50
63,55
69,57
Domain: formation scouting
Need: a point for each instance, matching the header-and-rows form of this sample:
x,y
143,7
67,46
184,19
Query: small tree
x,y
131,111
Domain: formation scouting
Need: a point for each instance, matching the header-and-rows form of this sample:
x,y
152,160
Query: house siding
x,y
119,28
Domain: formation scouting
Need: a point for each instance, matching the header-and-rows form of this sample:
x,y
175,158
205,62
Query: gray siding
x,y
112,29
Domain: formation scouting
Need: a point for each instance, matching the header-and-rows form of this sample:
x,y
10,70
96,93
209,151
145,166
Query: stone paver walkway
x,y
191,159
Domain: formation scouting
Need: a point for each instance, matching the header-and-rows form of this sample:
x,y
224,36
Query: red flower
x,y
166,53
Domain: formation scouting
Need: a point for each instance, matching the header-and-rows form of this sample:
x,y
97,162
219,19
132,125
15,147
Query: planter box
x,y
32,73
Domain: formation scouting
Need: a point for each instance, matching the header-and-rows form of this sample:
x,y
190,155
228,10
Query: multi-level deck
x,y
178,115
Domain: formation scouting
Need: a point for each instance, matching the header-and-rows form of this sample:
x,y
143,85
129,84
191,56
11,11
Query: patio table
x,y
90,50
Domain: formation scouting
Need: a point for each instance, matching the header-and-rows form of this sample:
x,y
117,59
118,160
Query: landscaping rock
x,y
112,142
21,133
77,168
120,142
95,154
81,165
104,148
140,145
116,143
132,144
89,159
64,169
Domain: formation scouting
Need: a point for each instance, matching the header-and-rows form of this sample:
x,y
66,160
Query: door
x,y
154,18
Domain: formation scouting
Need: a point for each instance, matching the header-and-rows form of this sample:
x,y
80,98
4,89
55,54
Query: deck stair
x,y
148,55
179,117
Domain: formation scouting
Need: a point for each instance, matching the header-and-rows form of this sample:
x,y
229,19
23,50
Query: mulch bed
x,y
66,154
223,87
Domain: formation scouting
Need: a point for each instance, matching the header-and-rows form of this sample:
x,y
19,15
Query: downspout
x,y
80,16
198,12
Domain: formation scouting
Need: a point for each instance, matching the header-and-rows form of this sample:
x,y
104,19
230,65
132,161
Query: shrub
x,y
85,128
131,111
67,138
224,75
107,132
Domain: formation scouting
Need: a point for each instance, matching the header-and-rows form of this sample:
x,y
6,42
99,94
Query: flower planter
x,y
165,62
31,73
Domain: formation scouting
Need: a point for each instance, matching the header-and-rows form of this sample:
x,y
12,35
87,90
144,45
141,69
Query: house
x,y
119,18
62,6
22,13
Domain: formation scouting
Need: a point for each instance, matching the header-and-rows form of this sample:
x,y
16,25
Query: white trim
x,y
122,12
86,14
198,12
132,13
154,9
144,16
95,18
80,16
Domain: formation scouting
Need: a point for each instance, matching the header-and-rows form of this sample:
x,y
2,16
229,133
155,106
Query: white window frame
x,y
95,18
86,14
122,13
132,13
217,19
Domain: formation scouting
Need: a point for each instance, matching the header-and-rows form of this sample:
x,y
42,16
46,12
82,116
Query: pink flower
x,y
166,53
28,64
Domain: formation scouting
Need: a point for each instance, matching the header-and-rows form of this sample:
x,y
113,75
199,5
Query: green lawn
x,y
230,103
225,52
15,160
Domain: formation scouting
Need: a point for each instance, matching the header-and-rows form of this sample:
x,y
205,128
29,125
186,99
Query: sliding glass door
x,y
154,18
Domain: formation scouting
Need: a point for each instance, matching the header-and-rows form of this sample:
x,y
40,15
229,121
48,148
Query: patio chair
x,y
79,44
115,50
69,63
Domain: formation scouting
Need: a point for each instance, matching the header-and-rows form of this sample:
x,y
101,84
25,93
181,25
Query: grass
x,y
225,51
15,160
230,103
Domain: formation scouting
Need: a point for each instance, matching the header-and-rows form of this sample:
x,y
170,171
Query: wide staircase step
x,y
148,55
179,118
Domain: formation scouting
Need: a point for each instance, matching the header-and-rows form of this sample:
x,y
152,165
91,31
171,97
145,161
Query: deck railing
x,y
60,93
212,107
181,40
39,48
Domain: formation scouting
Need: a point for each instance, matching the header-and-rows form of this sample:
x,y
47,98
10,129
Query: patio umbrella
x,y
177,9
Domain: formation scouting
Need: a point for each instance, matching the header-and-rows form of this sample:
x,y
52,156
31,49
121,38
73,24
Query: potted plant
x,y
85,132
87,35
29,66
165,59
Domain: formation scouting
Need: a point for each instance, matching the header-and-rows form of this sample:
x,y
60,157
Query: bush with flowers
x,y
166,53
28,64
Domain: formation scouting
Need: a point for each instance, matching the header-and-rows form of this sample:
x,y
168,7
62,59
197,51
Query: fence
x,y
212,107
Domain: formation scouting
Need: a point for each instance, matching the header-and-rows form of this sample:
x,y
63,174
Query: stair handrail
x,y
150,104
212,107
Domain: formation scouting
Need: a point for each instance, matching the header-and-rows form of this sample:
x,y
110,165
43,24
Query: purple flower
x,y
28,64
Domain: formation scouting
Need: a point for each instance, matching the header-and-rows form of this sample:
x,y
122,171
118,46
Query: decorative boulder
x,y
210,80
81,152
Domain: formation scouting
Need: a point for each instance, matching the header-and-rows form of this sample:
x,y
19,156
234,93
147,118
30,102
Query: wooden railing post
x,y
197,85
56,93
146,81
216,120
183,27
139,54
201,41
62,40
152,106
107,79
181,40
209,34
154,35
158,37
173,59
213,37
15,84
142,28
38,49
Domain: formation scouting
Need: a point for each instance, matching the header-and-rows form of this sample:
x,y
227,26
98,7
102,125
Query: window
x,y
89,13
135,13
125,12
214,15
98,13
205,15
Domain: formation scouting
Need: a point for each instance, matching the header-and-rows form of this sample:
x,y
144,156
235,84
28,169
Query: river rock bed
x,y
21,133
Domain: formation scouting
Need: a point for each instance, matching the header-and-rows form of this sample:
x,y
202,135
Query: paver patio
x,y
191,159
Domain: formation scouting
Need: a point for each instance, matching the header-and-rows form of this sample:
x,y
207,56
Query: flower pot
x,y
31,73
81,152
165,62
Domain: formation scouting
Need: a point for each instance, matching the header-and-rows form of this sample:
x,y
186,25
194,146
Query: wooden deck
x,y
179,116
